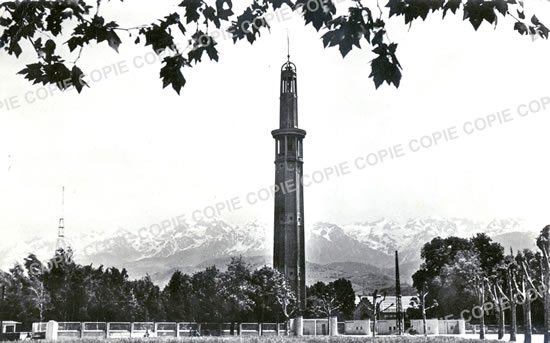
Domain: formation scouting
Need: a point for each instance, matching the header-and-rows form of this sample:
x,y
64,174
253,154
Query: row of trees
x,y
67,291
474,278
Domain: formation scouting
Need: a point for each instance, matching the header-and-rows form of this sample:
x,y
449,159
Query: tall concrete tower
x,y
289,249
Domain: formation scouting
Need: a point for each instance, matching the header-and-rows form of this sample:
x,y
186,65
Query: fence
x,y
492,329
100,330
298,326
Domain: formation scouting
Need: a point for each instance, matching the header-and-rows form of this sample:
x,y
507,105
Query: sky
x,y
463,136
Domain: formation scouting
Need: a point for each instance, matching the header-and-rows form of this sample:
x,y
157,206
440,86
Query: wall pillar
x,y
107,330
299,326
333,326
81,330
52,329
315,328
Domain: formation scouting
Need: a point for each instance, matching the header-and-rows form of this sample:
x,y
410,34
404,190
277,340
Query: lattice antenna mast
x,y
398,304
61,227
60,244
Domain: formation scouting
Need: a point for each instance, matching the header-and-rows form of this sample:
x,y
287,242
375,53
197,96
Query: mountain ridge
x,y
366,247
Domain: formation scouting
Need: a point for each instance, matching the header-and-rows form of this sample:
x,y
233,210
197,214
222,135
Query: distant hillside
x,y
362,252
364,277
517,240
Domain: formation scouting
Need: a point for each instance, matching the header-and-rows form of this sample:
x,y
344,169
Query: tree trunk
x,y
374,325
545,248
425,328
287,327
513,326
501,321
527,317
261,322
423,305
546,305
482,319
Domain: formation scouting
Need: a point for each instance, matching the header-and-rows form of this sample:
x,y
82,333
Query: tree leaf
x,y
191,9
521,28
77,79
113,40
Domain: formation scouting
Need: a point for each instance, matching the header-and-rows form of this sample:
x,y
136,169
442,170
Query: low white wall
x,y
452,327
388,327
357,327
432,326
51,330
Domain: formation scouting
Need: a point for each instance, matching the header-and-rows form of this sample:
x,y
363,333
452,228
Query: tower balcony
x,y
288,132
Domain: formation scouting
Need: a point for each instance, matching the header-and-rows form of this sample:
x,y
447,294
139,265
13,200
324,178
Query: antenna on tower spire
x,y
288,44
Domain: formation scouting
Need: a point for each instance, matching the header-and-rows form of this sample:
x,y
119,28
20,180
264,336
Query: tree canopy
x,y
451,270
69,291
335,298
45,27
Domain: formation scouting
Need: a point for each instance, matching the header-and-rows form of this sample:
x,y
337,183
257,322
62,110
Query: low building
x,y
9,326
388,310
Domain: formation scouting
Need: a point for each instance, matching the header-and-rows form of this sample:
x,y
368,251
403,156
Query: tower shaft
x,y
289,246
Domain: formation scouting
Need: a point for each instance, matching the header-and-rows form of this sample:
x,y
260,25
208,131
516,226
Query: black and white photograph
x,y
271,171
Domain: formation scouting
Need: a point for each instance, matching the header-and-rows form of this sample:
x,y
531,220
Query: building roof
x,y
388,305
9,322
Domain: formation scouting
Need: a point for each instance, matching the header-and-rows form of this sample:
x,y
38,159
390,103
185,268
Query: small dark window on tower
x,y
288,86
291,145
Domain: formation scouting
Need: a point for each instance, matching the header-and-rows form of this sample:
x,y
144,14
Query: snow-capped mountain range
x,y
192,245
